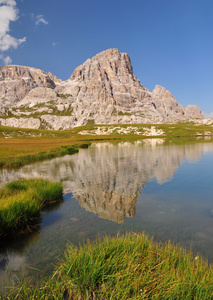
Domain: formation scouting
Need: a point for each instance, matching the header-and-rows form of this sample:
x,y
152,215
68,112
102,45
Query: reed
x,y
125,267
22,200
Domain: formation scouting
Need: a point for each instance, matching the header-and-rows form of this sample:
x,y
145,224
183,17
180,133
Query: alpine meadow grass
x,y
22,200
131,266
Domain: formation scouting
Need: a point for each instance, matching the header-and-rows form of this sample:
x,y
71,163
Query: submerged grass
x,y
22,200
124,267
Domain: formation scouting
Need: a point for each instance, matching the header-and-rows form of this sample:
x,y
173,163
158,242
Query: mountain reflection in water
x,y
147,185
107,178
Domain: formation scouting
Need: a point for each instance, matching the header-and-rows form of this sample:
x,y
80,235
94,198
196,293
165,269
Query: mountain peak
x,y
102,90
105,65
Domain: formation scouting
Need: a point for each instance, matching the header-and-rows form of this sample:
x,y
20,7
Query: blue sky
x,y
170,42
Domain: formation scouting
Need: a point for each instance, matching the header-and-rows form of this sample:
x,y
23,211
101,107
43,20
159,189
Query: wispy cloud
x,y
40,20
55,44
208,115
6,59
8,13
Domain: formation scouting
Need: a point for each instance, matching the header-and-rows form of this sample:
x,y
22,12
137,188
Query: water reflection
x,y
12,250
119,187
107,178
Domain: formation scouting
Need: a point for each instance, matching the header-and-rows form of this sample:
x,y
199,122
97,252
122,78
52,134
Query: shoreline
x,y
24,146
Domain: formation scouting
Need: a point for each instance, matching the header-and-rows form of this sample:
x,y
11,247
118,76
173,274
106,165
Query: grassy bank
x,y
22,146
21,202
125,267
21,160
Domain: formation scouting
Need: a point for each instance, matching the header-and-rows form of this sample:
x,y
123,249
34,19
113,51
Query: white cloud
x,y
8,13
40,19
8,2
6,60
7,42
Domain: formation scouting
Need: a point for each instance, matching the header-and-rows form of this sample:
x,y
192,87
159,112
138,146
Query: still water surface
x,y
164,190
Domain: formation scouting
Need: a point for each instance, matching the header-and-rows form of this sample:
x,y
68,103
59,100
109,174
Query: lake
x,y
162,188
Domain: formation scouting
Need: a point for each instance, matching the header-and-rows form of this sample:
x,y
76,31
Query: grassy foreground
x,y
22,200
124,267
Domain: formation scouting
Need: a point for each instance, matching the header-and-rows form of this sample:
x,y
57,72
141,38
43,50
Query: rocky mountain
x,y
103,90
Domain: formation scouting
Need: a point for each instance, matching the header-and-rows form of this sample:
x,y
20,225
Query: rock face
x,y
17,81
38,95
192,111
103,90
166,104
106,78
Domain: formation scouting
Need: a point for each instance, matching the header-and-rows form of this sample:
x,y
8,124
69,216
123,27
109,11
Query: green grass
x,y
124,267
23,160
121,113
14,132
65,96
170,130
22,200
22,146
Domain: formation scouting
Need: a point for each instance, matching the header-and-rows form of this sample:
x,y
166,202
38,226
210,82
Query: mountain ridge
x,y
102,90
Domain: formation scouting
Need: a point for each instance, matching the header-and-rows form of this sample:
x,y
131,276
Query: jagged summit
x,y
103,90
107,77
111,61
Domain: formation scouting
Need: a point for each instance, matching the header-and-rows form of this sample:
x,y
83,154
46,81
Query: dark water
x,y
164,190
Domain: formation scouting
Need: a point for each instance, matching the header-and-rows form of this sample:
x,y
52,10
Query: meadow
x,y
22,146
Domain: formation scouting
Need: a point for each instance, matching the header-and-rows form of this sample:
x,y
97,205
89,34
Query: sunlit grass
x,y
135,267
22,200
22,146
18,161
125,267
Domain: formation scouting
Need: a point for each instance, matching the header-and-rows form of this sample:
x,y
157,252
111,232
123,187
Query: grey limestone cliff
x,y
103,90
